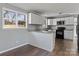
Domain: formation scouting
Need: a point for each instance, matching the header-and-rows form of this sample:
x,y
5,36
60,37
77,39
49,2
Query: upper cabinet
x,y
51,21
62,21
36,19
54,22
69,20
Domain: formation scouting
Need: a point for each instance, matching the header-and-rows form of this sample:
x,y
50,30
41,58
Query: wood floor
x,y
62,48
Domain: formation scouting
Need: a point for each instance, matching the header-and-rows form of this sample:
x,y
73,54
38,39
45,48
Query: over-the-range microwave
x,y
60,22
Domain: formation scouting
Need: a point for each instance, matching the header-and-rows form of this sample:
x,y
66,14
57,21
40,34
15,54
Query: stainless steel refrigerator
x,y
77,31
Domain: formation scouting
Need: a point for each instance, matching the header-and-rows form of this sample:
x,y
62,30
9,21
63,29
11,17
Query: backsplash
x,y
34,27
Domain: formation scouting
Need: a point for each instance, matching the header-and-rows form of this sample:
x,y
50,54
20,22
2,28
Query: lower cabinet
x,y
43,40
68,35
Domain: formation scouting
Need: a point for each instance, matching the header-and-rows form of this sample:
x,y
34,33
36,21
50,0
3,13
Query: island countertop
x,y
47,32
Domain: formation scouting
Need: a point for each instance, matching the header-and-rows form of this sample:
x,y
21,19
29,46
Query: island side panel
x,y
43,40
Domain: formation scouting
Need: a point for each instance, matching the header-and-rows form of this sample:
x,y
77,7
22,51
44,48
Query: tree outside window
x,y
12,19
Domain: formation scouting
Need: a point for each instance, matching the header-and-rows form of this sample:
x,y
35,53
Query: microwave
x,y
60,22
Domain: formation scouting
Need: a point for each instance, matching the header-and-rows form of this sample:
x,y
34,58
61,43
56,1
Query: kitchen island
x,y
43,39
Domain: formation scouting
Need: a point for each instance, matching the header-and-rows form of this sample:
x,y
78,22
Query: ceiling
x,y
50,9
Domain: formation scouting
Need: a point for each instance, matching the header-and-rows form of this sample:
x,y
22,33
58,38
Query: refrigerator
x,y
77,31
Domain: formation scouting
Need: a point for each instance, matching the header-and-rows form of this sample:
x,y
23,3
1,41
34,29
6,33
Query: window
x,y
21,20
13,19
9,18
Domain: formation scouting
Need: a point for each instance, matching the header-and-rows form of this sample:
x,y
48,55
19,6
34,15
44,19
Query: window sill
x,y
13,28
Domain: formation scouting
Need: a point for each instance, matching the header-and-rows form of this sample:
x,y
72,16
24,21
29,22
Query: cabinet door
x,y
50,21
41,20
75,21
36,19
33,19
69,21
68,35
54,21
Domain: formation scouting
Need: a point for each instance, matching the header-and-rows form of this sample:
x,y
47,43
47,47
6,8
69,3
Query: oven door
x,y
59,34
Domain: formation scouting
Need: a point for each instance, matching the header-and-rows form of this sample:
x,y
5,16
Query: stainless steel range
x,y
60,33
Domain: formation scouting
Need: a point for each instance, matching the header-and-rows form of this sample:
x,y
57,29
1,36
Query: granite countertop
x,y
69,29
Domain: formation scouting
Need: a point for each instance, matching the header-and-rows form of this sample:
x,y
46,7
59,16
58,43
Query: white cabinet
x,y
69,27
75,20
43,40
51,21
54,22
36,19
69,20
68,34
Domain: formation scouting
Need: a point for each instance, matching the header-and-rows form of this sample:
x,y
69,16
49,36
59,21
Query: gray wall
x,y
10,38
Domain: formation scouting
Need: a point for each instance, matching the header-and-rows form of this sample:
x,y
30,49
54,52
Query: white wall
x,y
10,38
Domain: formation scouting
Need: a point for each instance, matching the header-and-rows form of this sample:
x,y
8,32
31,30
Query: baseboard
x,y
71,49
49,50
12,48
68,39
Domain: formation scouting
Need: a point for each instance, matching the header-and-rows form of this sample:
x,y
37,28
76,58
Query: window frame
x,y
16,20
